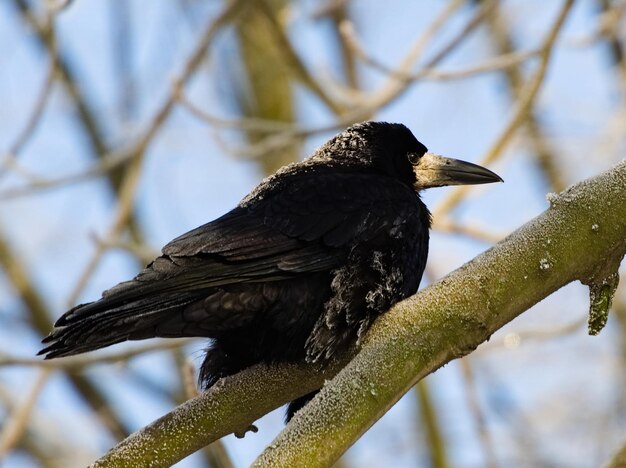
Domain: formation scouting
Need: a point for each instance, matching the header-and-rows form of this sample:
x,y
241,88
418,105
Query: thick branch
x,y
444,321
230,406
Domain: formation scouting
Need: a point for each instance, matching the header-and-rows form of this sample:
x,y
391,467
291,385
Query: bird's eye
x,y
414,158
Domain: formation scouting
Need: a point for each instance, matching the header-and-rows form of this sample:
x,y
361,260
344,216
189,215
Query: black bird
x,y
298,270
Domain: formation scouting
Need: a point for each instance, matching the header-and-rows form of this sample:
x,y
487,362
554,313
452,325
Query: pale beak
x,y
433,170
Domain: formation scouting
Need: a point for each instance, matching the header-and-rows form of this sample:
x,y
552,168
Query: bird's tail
x,y
95,325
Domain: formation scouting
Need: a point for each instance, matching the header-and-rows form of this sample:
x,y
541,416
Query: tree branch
x,y
129,183
523,108
230,406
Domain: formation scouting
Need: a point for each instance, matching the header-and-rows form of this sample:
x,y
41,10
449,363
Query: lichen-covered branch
x,y
447,320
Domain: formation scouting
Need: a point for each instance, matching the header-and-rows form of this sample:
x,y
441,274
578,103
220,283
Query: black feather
x,y
298,270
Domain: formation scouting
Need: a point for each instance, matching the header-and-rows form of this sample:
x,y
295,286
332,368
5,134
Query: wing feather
x,y
308,227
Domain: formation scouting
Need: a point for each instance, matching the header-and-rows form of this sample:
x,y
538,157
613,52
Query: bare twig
x,y
490,65
516,338
142,252
78,362
36,112
523,107
188,371
432,426
16,424
122,45
329,8
386,94
338,16
395,86
499,28
448,225
103,167
243,123
131,177
87,117
40,317
471,393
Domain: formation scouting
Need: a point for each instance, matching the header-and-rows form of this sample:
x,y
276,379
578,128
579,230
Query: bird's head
x,y
392,149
